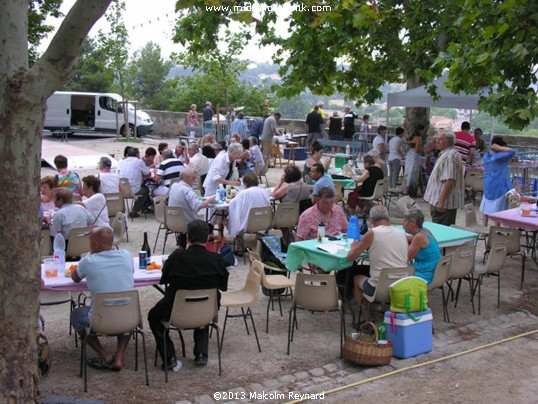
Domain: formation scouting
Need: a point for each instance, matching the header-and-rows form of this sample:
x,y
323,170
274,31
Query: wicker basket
x,y
366,350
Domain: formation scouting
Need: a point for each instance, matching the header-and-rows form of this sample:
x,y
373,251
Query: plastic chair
x,y
259,220
52,298
125,190
192,309
512,238
174,222
513,201
114,204
272,283
440,276
113,314
340,196
45,244
159,206
244,298
286,218
79,242
263,173
119,227
477,186
315,292
387,276
471,223
379,192
396,192
461,267
496,260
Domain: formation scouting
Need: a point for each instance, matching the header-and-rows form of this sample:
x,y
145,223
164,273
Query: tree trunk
x,y
415,116
22,108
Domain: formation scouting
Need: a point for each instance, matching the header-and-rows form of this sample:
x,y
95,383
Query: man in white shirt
x,y
167,170
221,171
182,195
256,152
136,172
198,163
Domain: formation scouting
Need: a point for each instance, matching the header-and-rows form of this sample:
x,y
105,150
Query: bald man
x,y
105,270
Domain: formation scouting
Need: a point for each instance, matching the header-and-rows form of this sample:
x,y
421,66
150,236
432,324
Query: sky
x,y
153,23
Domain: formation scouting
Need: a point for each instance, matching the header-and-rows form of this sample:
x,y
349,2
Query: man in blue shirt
x,y
256,127
239,126
317,173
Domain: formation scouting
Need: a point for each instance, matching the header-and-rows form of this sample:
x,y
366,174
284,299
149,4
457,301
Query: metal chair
x,y
440,276
286,218
244,298
174,222
512,238
113,314
159,206
79,242
315,293
259,220
192,309
496,260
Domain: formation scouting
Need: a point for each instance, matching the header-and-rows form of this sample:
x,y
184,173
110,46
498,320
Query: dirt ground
x,y
316,342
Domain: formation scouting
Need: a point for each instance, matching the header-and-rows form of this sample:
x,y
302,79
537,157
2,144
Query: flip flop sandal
x,y
97,363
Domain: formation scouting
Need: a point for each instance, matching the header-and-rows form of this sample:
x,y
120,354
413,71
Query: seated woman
x,y
95,201
315,157
368,179
423,246
248,161
291,188
47,198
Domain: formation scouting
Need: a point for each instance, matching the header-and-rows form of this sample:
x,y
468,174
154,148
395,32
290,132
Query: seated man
x,y
324,211
136,171
387,248
166,171
191,269
317,173
105,270
69,215
252,197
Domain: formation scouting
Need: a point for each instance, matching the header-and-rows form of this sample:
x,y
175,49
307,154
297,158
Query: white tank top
x,y
388,250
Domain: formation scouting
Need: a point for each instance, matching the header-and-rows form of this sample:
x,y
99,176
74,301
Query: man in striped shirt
x,y
167,170
446,188
466,143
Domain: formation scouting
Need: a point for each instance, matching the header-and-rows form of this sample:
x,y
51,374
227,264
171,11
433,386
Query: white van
x,y
69,111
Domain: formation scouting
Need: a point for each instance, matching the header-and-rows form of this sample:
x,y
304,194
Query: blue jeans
x,y
81,318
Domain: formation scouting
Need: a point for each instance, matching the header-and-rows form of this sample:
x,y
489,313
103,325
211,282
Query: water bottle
x,y
353,232
348,150
221,193
59,249
321,232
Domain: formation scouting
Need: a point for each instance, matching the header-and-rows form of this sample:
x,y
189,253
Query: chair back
x,y
254,280
339,192
259,219
114,203
440,276
478,183
470,215
286,215
119,227
257,169
316,292
194,308
496,258
45,244
116,312
379,189
506,235
513,201
79,242
159,209
125,188
470,177
463,260
175,220
387,276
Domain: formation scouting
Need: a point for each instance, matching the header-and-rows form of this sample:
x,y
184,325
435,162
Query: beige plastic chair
x,y
470,177
174,222
440,276
397,192
461,267
263,173
113,314
496,260
119,227
379,192
512,238
45,244
286,218
125,190
387,276
340,195
52,298
513,201
477,186
114,204
315,292
272,283
79,242
471,223
159,206
192,309
244,298
259,220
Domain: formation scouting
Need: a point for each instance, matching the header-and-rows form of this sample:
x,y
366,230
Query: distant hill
x,y
255,74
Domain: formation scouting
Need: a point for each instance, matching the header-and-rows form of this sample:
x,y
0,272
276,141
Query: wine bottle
x,y
145,246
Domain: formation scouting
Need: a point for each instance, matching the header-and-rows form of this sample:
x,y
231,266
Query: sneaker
x,y
172,363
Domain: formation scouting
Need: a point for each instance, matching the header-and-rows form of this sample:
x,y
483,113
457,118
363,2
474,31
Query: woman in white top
x,y
95,202
395,156
110,182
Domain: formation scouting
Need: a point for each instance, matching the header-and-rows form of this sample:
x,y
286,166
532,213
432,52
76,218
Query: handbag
x,y
409,295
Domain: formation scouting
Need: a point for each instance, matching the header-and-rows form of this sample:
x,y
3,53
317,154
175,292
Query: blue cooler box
x,y
300,153
410,338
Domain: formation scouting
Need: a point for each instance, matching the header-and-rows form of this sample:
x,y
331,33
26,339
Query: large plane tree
x,y
22,109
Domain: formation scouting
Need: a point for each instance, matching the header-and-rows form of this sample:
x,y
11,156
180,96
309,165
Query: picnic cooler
x,y
300,153
410,338
366,350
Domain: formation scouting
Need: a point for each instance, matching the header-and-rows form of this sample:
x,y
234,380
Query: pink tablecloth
x,y
513,218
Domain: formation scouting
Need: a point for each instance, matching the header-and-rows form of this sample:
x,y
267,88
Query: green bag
x,y
409,295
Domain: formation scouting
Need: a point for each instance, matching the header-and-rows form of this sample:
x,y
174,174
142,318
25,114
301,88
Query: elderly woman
x,y
95,201
47,187
496,178
423,247
110,182
315,157
291,188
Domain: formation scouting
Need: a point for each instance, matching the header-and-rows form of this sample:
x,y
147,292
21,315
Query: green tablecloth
x,y
448,236
347,183
306,251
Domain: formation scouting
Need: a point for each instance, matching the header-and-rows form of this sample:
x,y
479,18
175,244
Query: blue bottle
x,y
353,232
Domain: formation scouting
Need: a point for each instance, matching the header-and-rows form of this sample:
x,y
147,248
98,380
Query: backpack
x,y
409,295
